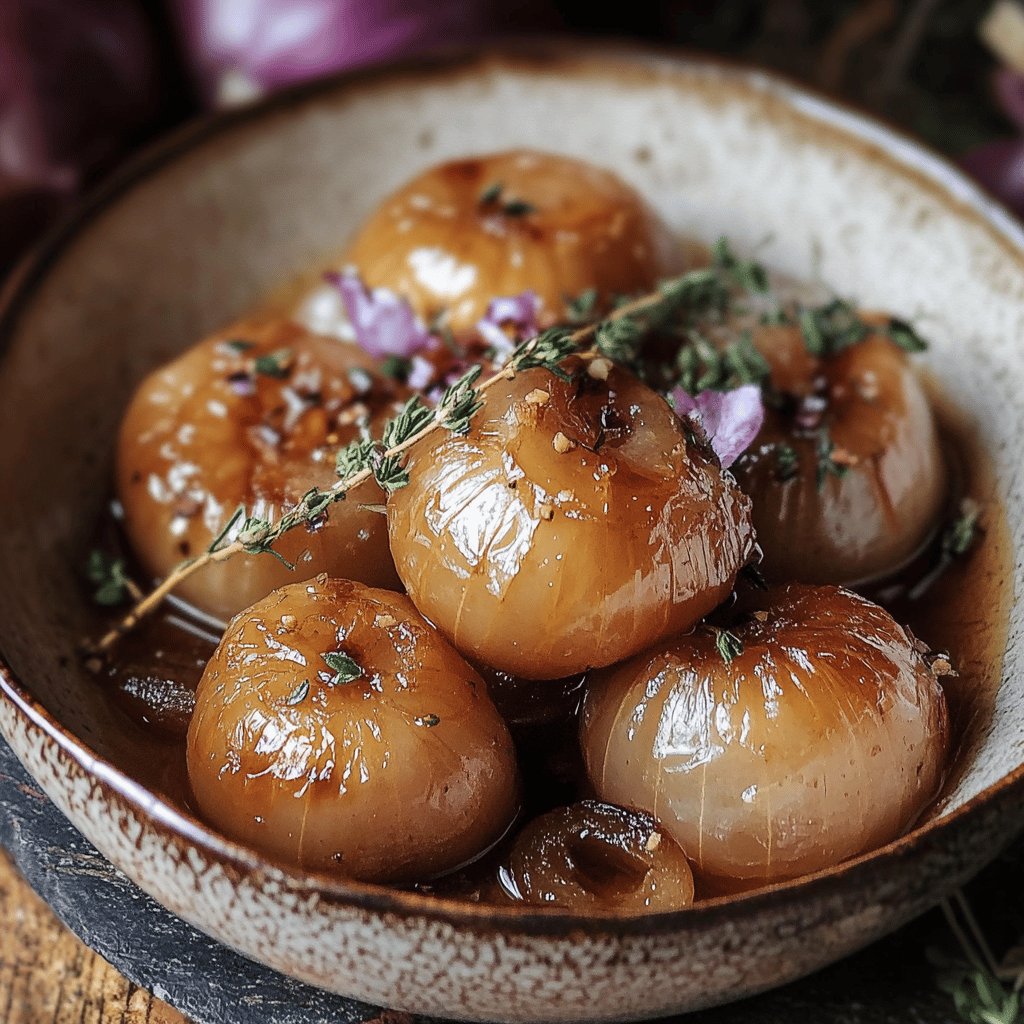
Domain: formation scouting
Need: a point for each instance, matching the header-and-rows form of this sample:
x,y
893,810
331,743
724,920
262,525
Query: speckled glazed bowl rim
x,y
885,144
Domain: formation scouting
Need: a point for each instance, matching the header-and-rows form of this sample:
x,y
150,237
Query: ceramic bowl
x,y
207,223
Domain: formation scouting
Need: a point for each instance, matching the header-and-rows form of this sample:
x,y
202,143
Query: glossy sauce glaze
x,y
252,417
498,534
874,499
464,232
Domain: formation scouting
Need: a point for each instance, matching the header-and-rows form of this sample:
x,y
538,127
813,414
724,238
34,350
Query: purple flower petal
x,y
238,48
421,373
384,323
731,419
518,310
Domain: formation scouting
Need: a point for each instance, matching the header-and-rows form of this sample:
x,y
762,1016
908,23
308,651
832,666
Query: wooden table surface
x,y
48,977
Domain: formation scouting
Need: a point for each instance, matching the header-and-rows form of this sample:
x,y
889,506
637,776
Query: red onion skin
x,y
78,81
262,45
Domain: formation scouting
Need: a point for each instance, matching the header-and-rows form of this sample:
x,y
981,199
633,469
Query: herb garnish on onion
x,y
383,322
730,419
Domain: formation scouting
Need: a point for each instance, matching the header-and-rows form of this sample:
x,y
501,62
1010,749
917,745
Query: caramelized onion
x,y
470,230
824,738
869,511
252,416
571,527
594,856
401,773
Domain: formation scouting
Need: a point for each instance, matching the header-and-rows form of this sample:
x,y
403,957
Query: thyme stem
x,y
151,601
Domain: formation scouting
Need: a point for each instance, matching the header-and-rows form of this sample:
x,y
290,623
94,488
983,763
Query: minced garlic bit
x,y
289,621
842,457
546,510
653,842
599,368
561,443
538,396
384,621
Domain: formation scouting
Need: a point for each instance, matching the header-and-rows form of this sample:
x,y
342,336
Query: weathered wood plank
x,y
48,977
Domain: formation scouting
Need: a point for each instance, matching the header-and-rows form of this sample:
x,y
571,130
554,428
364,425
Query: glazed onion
x,y
824,738
252,417
594,856
401,772
466,232
864,507
572,525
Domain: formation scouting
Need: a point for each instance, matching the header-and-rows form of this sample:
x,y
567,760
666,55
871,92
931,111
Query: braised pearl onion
x,y
824,738
871,515
593,856
556,226
399,774
572,526
252,416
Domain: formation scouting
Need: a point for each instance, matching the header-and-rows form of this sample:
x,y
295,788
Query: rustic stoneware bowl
x,y
202,227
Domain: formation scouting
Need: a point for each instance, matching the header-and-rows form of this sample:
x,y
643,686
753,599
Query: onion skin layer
x,y
438,245
572,526
399,775
873,519
197,441
825,738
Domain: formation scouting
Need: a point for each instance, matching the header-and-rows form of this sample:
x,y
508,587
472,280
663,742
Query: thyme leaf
x,y
409,422
787,462
396,367
619,340
274,364
354,458
109,578
492,193
546,350
827,465
904,335
582,308
345,668
729,645
749,275
460,403
831,328
389,472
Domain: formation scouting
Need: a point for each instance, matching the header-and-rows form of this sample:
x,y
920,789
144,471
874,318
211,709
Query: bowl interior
x,y
199,232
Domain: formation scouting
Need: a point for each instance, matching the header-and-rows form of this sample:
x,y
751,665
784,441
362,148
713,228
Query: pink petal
x,y
271,43
518,311
384,323
421,373
731,419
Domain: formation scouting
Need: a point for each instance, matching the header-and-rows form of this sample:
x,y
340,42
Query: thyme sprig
x,y
983,990
365,459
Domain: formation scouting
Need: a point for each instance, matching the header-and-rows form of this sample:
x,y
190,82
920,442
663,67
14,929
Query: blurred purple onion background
x,y
84,82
